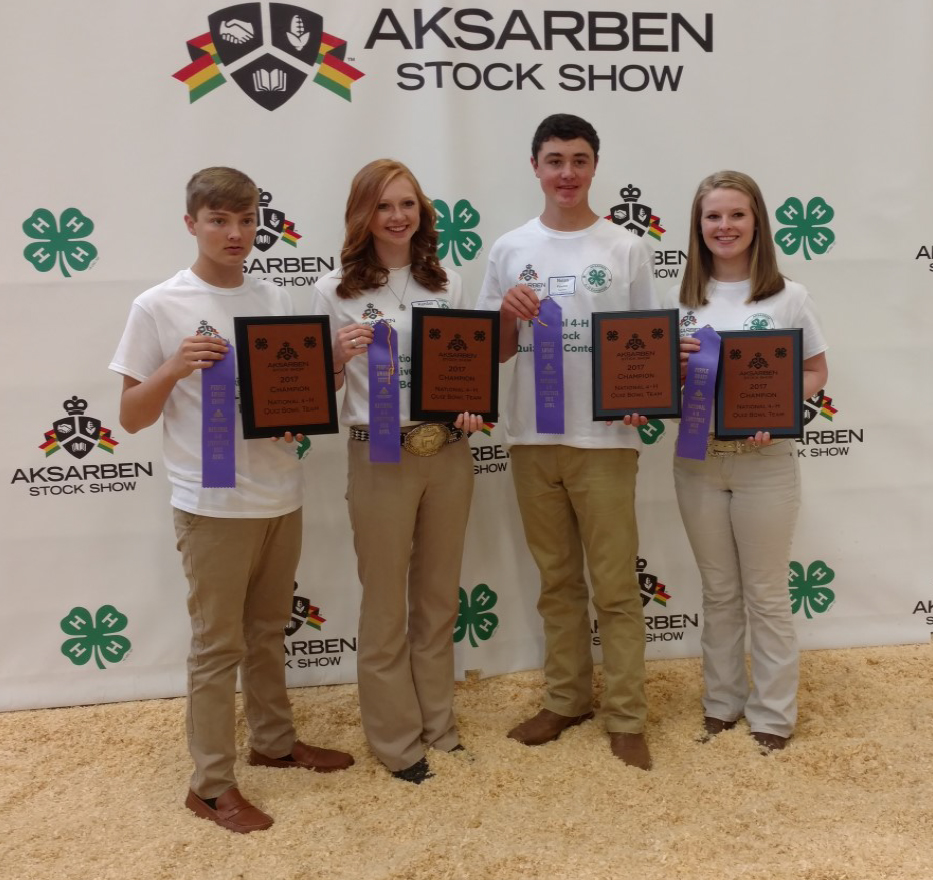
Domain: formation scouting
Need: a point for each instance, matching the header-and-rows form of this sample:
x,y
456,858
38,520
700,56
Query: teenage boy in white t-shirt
x,y
240,546
576,490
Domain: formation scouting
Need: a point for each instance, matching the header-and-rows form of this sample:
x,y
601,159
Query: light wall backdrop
x,y
107,109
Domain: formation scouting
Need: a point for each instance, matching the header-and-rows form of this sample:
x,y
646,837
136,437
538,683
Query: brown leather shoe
x,y
309,757
715,726
233,811
770,742
631,748
545,727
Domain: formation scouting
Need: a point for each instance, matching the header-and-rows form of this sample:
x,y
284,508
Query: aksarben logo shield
x,y
269,77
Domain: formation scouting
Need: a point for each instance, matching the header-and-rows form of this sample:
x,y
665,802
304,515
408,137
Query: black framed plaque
x,y
286,373
454,364
759,386
636,364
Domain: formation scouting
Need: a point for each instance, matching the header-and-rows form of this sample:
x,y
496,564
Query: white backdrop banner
x,y
110,106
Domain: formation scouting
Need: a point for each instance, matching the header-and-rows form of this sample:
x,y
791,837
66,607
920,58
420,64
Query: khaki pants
x,y
409,521
574,501
739,512
241,575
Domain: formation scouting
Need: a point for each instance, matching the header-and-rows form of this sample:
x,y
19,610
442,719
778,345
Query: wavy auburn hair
x,y
362,269
766,279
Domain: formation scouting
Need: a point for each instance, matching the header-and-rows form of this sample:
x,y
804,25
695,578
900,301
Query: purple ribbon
x,y
549,368
384,418
218,416
699,394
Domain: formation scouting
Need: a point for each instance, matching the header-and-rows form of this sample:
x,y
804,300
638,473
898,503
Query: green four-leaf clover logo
x,y
475,617
651,432
805,227
810,591
95,637
453,231
61,241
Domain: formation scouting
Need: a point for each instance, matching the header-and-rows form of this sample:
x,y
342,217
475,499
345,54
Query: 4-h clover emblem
x,y
434,333
475,619
780,353
479,336
734,354
310,342
651,432
635,343
612,335
59,241
261,344
95,636
596,278
805,227
454,235
657,333
810,591
759,322
286,352
301,450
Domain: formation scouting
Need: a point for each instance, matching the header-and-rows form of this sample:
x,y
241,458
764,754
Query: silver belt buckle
x,y
427,439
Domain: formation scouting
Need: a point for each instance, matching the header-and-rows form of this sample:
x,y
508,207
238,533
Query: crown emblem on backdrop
x,y
75,406
634,216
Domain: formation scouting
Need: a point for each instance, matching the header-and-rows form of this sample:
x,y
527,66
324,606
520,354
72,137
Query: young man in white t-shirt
x,y
576,490
239,545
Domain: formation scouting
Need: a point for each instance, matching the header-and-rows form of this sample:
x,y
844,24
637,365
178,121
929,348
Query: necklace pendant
x,y
401,307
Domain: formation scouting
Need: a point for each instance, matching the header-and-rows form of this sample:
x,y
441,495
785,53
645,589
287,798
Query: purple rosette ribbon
x,y
699,395
218,423
384,418
549,368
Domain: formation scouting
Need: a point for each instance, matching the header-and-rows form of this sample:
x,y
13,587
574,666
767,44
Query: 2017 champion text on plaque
x,y
286,372
455,364
760,383
636,364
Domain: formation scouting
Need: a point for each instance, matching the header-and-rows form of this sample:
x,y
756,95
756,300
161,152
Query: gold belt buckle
x,y
427,439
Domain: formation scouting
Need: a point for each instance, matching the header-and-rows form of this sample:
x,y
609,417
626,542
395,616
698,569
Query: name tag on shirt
x,y
562,285
427,303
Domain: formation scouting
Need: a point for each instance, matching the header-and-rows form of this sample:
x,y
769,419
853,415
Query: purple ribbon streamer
x,y
699,395
218,418
549,368
384,417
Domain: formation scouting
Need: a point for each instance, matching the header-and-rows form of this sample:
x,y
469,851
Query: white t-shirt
x,y
599,269
728,310
268,475
373,306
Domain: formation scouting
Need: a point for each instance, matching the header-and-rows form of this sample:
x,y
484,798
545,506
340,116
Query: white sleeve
x,y
641,292
491,294
139,353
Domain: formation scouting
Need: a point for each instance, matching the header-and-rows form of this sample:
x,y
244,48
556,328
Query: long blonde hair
x,y
766,279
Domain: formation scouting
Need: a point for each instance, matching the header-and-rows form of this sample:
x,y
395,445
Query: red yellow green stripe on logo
x,y
51,443
827,411
106,442
334,73
314,617
660,596
289,235
487,428
656,230
202,75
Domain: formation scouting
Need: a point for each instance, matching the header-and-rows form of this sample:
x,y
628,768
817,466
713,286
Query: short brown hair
x,y
766,279
220,189
361,267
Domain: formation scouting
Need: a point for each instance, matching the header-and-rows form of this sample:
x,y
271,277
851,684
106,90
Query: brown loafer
x,y
714,726
233,812
308,757
770,742
545,727
631,748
